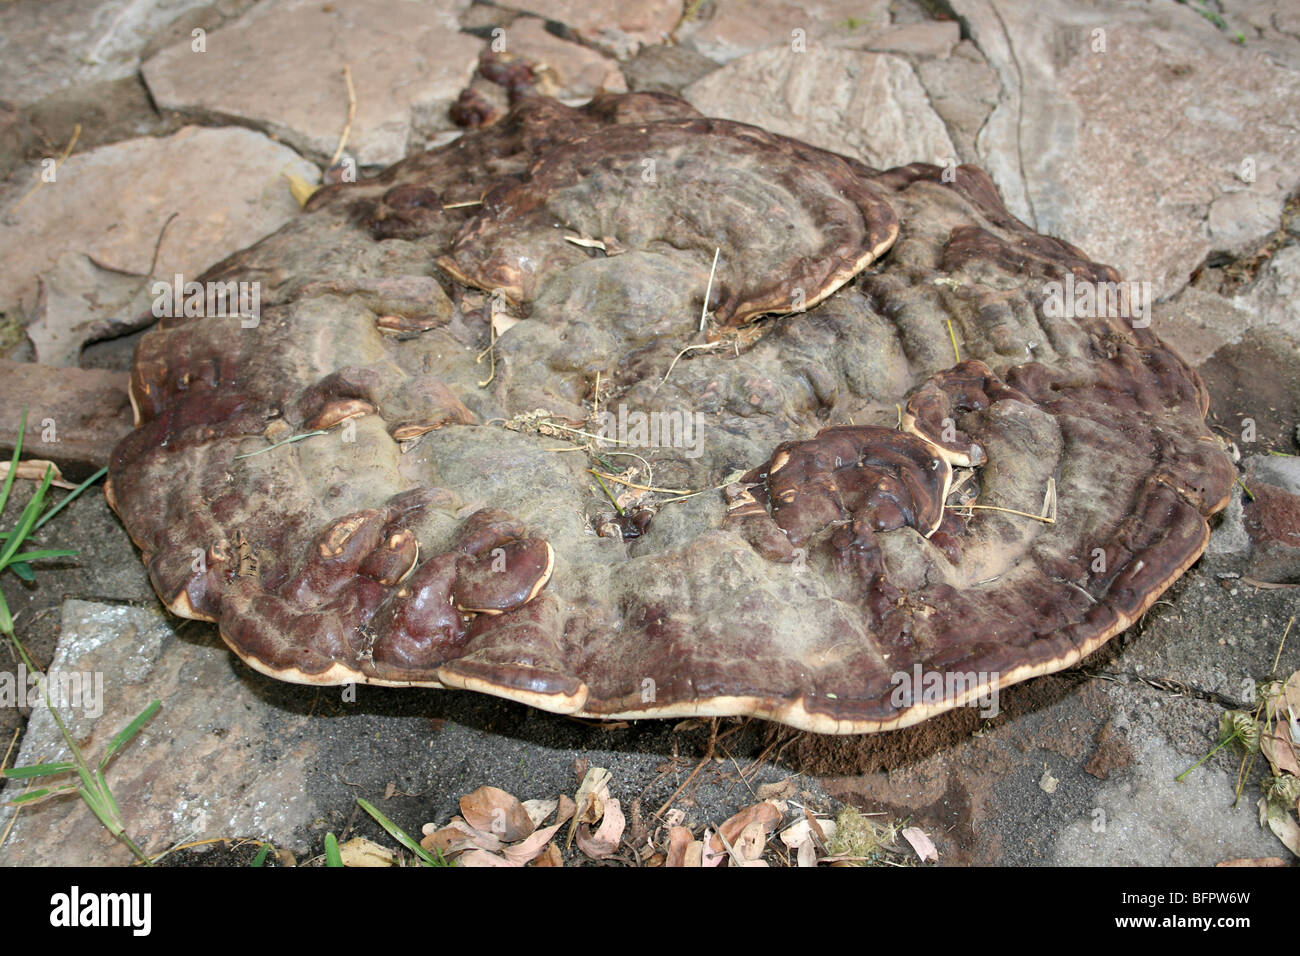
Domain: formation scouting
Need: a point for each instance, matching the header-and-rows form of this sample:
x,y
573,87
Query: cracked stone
x,y
576,72
280,68
618,29
110,205
204,766
737,27
74,416
48,47
1068,113
867,105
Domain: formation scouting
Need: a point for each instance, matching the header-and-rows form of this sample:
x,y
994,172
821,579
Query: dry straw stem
x,y
690,348
352,114
952,337
1046,516
708,291
636,487
67,151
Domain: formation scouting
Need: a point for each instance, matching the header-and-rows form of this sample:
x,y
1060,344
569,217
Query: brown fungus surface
x,y
354,490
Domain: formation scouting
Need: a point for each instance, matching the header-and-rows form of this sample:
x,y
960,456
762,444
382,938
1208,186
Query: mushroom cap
x,y
433,535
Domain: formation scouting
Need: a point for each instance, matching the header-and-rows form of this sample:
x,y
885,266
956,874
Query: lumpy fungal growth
x,y
623,411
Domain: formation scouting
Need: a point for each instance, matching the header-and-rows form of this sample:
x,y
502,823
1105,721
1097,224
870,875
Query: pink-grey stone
x,y
280,68
867,105
1151,115
199,769
50,45
109,205
567,70
727,29
618,28
74,415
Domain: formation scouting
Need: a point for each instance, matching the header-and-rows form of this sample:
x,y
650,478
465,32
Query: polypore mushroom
x,y
337,489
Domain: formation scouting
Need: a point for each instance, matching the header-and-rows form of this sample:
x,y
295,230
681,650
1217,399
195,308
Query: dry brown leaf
x,y
494,811
764,812
482,858
1255,861
457,836
522,853
694,854
590,798
808,830
604,843
549,857
34,469
1278,748
679,841
751,843
539,810
675,817
365,853
807,854
1279,820
503,322
709,856
922,844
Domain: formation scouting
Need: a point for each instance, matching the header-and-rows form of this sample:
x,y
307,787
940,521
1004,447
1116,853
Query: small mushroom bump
x,y
856,442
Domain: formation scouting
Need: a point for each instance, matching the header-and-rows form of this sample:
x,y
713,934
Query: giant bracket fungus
x,y
890,451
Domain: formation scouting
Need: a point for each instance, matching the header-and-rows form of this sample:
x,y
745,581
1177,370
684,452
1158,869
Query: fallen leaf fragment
x,y
539,810
300,189
763,812
679,841
529,849
589,800
1280,751
458,836
493,810
549,857
362,852
1255,861
482,858
604,842
34,469
922,844
751,843
1280,821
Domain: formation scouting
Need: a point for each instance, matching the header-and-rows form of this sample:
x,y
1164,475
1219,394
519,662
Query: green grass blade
x,y
23,571
38,770
332,855
71,496
261,855
6,621
100,810
27,519
34,796
40,556
396,832
110,802
129,731
13,463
